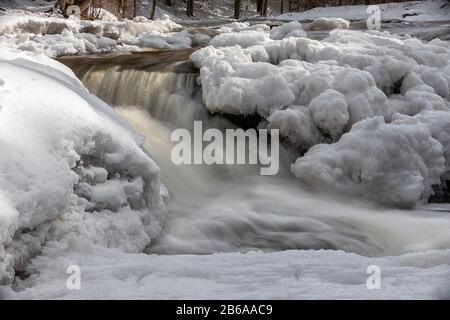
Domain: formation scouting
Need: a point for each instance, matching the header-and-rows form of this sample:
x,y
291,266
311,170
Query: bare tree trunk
x,y
281,6
152,14
237,9
190,8
264,7
259,5
135,8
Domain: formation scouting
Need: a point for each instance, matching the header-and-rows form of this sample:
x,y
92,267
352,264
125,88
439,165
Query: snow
x,y
309,274
329,86
329,24
372,160
242,26
286,30
33,5
296,126
70,167
174,41
205,10
56,36
365,114
244,39
330,112
430,10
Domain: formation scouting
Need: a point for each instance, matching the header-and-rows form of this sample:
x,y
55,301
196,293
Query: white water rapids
x,y
232,208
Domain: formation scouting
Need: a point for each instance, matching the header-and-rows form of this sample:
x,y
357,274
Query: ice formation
x,y
56,36
378,97
70,167
291,29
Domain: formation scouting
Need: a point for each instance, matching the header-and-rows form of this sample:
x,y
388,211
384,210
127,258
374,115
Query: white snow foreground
x,y
396,90
69,167
299,274
56,36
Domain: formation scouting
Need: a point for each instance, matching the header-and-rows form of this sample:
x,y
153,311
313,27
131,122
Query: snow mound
x,y
329,24
394,163
244,39
70,167
291,29
173,41
242,26
245,35
315,91
296,126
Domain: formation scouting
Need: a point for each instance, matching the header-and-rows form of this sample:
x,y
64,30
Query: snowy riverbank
x,y
306,274
431,10
64,155
56,36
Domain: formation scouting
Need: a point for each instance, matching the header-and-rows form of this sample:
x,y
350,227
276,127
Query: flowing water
x,y
231,207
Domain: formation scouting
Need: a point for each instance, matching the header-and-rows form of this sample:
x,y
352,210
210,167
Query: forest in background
x,y
131,8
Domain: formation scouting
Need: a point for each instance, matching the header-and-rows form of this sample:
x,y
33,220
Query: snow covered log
x,y
70,167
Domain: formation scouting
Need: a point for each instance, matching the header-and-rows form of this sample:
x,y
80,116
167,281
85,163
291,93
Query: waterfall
x,y
225,208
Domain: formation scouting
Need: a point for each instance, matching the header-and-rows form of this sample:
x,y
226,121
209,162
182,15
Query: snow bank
x,y
56,36
430,10
315,91
70,167
299,274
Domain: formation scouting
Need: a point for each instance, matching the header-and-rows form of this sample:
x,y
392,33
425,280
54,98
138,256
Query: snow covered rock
x,y
330,112
242,26
395,163
296,126
70,167
244,39
245,36
320,24
200,39
315,91
173,41
232,84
